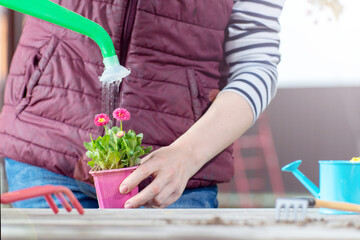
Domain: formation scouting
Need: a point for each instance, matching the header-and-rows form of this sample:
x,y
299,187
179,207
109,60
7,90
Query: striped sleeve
x,y
252,51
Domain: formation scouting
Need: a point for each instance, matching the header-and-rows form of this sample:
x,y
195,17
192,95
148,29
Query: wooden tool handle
x,y
338,205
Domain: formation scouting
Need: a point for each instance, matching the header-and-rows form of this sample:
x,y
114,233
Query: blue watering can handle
x,y
293,168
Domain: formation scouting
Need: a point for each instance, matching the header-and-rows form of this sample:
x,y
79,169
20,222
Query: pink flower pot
x,y
107,184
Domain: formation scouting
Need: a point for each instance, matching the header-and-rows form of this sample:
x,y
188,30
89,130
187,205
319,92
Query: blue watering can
x,y
339,181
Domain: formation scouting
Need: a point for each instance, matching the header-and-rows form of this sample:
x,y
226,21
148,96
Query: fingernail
x,y
123,189
128,205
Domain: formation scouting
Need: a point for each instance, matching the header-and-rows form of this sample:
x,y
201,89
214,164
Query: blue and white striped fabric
x,y
252,51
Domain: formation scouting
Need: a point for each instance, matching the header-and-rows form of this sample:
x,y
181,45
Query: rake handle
x,y
337,205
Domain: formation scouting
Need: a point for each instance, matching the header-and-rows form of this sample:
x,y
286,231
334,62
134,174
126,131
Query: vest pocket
x,y
34,71
196,93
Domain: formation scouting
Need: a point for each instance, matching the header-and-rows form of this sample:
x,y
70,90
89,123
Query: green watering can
x,y
54,13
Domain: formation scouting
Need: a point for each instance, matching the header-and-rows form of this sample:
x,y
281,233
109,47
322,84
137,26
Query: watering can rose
x,y
117,148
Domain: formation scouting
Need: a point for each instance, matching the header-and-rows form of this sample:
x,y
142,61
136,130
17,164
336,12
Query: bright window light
x,y
320,45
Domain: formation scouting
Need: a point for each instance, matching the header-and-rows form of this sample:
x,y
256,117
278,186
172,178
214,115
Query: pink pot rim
x,y
112,170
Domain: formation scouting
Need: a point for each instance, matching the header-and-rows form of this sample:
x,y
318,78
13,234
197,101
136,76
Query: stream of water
x,y
110,100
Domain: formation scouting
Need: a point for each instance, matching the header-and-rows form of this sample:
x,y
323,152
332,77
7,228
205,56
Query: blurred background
x,y
316,112
314,116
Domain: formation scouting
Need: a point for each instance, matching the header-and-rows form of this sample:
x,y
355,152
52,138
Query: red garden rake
x,y
46,191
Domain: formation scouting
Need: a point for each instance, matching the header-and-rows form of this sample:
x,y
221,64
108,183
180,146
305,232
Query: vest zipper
x,y
127,29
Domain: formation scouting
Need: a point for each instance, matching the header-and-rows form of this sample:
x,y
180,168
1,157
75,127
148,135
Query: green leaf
x,y
99,156
122,143
139,138
148,149
115,129
92,141
137,161
113,143
132,161
131,134
91,163
141,152
89,146
90,154
110,151
112,131
98,144
125,162
118,156
137,148
114,158
105,141
113,146
126,144
131,139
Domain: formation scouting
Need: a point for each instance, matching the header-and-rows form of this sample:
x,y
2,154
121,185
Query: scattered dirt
x,y
168,221
253,223
308,221
323,222
344,224
216,220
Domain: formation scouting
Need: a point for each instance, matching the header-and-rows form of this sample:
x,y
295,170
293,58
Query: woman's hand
x,y
226,120
171,169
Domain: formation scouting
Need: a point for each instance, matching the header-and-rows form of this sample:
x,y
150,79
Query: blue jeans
x,y
21,175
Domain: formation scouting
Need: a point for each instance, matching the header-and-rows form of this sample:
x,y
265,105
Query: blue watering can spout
x,y
293,168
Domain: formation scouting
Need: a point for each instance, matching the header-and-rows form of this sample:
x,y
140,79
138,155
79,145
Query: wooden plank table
x,y
172,224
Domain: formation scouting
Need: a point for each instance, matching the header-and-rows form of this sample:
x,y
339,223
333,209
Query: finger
x,y
159,200
146,195
171,185
134,179
147,157
171,199
174,196
170,193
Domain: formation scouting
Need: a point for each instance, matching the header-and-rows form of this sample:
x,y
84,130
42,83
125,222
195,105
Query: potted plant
x,y
113,157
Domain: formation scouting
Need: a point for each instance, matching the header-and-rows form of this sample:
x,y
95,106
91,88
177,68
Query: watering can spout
x,y
293,168
54,13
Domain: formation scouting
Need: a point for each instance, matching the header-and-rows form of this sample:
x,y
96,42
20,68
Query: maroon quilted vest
x,y
174,49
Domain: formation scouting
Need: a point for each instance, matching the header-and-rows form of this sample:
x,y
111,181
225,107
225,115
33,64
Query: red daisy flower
x,y
120,133
121,114
101,119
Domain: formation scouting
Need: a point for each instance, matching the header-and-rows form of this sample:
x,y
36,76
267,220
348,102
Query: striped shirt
x,y
252,51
